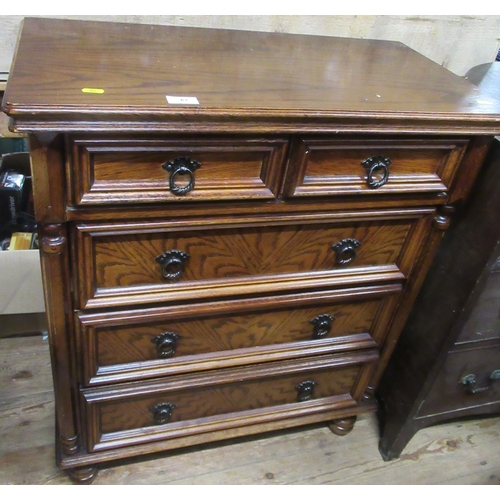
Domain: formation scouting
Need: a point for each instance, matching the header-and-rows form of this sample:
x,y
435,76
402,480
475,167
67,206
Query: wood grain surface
x,y
460,453
228,398
128,261
112,259
334,166
132,169
225,399
133,344
120,261
120,346
266,75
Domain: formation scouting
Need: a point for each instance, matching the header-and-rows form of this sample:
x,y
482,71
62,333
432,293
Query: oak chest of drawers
x,y
233,226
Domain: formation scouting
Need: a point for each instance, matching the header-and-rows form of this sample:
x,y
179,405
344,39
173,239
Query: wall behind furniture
x,y
456,42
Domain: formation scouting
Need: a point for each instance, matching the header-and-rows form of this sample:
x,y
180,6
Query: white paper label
x,y
182,100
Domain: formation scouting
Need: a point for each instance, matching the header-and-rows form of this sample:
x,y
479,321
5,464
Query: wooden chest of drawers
x,y
241,264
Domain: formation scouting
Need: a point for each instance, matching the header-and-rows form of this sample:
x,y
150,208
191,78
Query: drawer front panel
x,y
153,342
146,262
467,379
329,166
189,404
144,170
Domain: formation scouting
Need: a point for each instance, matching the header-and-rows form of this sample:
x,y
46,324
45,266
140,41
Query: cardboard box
x,y
22,306
21,290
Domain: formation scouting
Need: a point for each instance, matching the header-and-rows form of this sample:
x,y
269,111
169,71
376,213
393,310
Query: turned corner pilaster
x,y
52,238
53,243
442,219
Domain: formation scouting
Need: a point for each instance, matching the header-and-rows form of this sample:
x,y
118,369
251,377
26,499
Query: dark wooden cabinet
x,y
245,263
447,362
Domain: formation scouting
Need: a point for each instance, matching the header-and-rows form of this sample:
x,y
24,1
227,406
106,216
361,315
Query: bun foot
x,y
342,426
83,475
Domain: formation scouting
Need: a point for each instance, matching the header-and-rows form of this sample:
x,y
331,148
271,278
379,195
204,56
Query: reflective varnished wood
x,y
264,80
128,345
245,263
123,263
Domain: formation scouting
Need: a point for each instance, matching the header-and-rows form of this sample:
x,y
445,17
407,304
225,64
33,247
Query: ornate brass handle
x,y
322,325
470,382
162,412
346,250
172,263
166,344
181,167
373,165
305,390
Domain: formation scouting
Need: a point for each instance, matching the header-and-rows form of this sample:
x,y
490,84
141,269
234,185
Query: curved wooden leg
x,y
342,426
83,475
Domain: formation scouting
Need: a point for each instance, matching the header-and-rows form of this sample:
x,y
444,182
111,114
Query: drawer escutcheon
x,y
373,165
172,263
180,167
345,250
322,325
166,344
162,413
305,390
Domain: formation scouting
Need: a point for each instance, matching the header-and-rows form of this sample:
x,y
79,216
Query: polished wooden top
x,y
269,77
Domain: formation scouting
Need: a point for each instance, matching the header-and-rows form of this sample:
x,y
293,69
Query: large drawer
x,y
325,165
469,378
146,343
178,406
147,169
151,261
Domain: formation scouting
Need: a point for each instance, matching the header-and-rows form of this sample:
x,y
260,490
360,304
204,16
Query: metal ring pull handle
x,y
178,168
376,165
346,250
305,390
322,325
470,382
166,344
162,413
172,263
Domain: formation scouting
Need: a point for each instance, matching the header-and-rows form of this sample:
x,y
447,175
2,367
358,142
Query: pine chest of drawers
x,y
233,226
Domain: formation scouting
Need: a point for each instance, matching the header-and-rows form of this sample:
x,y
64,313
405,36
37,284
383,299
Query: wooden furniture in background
x,y
447,362
457,453
243,264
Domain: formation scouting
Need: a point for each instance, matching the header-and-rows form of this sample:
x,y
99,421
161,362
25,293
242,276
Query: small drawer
x,y
340,166
148,343
149,170
152,261
468,378
180,406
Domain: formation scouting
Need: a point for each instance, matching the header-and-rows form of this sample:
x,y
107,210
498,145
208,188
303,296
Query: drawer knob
x,y
470,382
305,390
166,344
181,167
376,166
322,325
162,412
346,250
172,263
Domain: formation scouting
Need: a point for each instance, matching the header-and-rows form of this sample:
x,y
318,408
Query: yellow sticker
x,y
92,91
